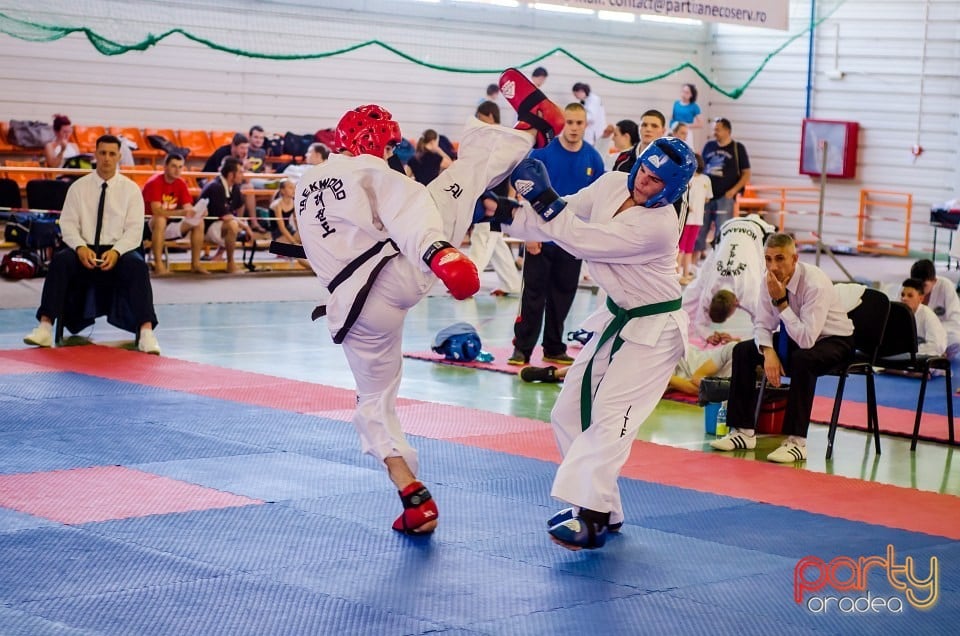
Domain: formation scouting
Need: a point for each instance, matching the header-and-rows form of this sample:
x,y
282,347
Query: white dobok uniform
x,y
737,265
365,228
633,258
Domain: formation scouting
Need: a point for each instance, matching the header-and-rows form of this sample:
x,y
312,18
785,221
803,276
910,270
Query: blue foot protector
x,y
587,530
568,513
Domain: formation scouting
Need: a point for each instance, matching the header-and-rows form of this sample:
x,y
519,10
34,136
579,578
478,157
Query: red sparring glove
x,y
451,266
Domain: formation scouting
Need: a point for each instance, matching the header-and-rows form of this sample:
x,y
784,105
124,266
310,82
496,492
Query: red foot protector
x,y
533,108
419,508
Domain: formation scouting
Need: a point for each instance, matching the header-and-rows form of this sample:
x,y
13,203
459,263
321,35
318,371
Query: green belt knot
x,y
621,317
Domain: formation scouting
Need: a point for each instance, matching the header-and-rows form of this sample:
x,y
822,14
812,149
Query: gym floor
x,y
258,520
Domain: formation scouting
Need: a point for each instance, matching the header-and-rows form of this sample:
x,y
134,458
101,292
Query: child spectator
x,y
698,193
931,336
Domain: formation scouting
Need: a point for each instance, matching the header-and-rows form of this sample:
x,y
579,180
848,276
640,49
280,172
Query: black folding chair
x,y
46,194
10,194
869,323
899,351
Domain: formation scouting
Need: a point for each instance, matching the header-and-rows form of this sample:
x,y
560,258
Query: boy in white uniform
x,y
736,266
940,295
373,236
624,226
931,336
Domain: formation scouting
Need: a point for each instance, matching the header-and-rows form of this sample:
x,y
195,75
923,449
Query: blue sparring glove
x,y
531,181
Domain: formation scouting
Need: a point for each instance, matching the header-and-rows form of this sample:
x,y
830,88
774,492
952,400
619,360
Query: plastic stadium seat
x,y
21,177
221,138
144,150
198,141
86,137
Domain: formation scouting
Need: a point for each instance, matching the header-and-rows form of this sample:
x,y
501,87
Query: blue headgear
x,y
672,161
459,342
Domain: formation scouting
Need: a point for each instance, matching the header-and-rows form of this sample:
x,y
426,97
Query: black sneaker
x,y
518,359
559,358
539,374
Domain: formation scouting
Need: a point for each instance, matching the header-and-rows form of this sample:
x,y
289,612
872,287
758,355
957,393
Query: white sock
x,y
799,441
749,432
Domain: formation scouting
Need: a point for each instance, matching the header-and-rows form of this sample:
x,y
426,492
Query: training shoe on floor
x,y
559,358
788,453
41,336
518,359
539,374
567,514
148,343
735,440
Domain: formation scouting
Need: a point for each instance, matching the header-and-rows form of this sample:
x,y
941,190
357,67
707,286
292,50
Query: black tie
x,y
96,235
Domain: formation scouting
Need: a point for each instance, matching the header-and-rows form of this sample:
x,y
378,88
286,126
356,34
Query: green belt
x,y
621,317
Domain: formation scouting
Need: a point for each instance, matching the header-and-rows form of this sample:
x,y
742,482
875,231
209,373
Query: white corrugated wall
x,y
900,61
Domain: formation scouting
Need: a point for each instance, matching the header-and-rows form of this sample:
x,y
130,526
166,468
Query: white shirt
x,y
700,191
815,310
945,304
596,119
931,336
632,256
122,213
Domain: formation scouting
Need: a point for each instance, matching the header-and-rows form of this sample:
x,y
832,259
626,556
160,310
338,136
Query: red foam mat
x,y
893,421
102,493
841,497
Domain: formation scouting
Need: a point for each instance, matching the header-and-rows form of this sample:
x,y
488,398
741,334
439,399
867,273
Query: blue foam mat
x,y
324,560
892,391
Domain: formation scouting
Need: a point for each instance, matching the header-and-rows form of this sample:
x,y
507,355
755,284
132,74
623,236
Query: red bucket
x,y
771,416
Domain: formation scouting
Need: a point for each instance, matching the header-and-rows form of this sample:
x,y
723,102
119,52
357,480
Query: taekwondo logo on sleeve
x,y
314,192
508,89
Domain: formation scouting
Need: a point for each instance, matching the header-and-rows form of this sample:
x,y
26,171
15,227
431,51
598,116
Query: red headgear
x,y
19,265
367,130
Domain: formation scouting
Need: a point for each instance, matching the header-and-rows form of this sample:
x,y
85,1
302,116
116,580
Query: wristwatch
x,y
779,301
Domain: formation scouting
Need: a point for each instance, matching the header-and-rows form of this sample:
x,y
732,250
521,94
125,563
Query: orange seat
x,y
221,138
198,141
140,177
22,177
86,137
163,132
135,135
5,146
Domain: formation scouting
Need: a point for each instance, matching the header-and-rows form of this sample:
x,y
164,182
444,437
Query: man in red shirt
x,y
169,206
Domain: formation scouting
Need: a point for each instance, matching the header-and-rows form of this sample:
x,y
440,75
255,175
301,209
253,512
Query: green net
x,y
106,35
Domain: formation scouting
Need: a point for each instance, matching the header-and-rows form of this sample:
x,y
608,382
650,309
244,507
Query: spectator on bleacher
x,y
931,336
393,159
626,136
284,222
225,202
429,159
102,224
57,152
256,152
941,297
539,76
169,206
316,154
239,149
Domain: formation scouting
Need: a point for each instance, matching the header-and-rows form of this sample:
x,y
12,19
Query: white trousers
x,y
487,246
627,390
373,344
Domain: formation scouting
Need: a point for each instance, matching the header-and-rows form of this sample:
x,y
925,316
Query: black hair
x,y
229,165
173,156
924,270
629,128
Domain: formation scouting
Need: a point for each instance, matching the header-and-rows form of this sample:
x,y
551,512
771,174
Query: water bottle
x,y
722,420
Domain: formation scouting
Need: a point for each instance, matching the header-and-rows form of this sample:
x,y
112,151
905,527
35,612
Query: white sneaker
x,y
41,336
148,342
788,453
735,440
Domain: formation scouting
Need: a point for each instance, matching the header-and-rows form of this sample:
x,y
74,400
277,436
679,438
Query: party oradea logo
x,y
865,585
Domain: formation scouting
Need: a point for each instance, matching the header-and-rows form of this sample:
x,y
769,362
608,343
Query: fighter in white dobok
x,y
624,226
730,278
376,239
